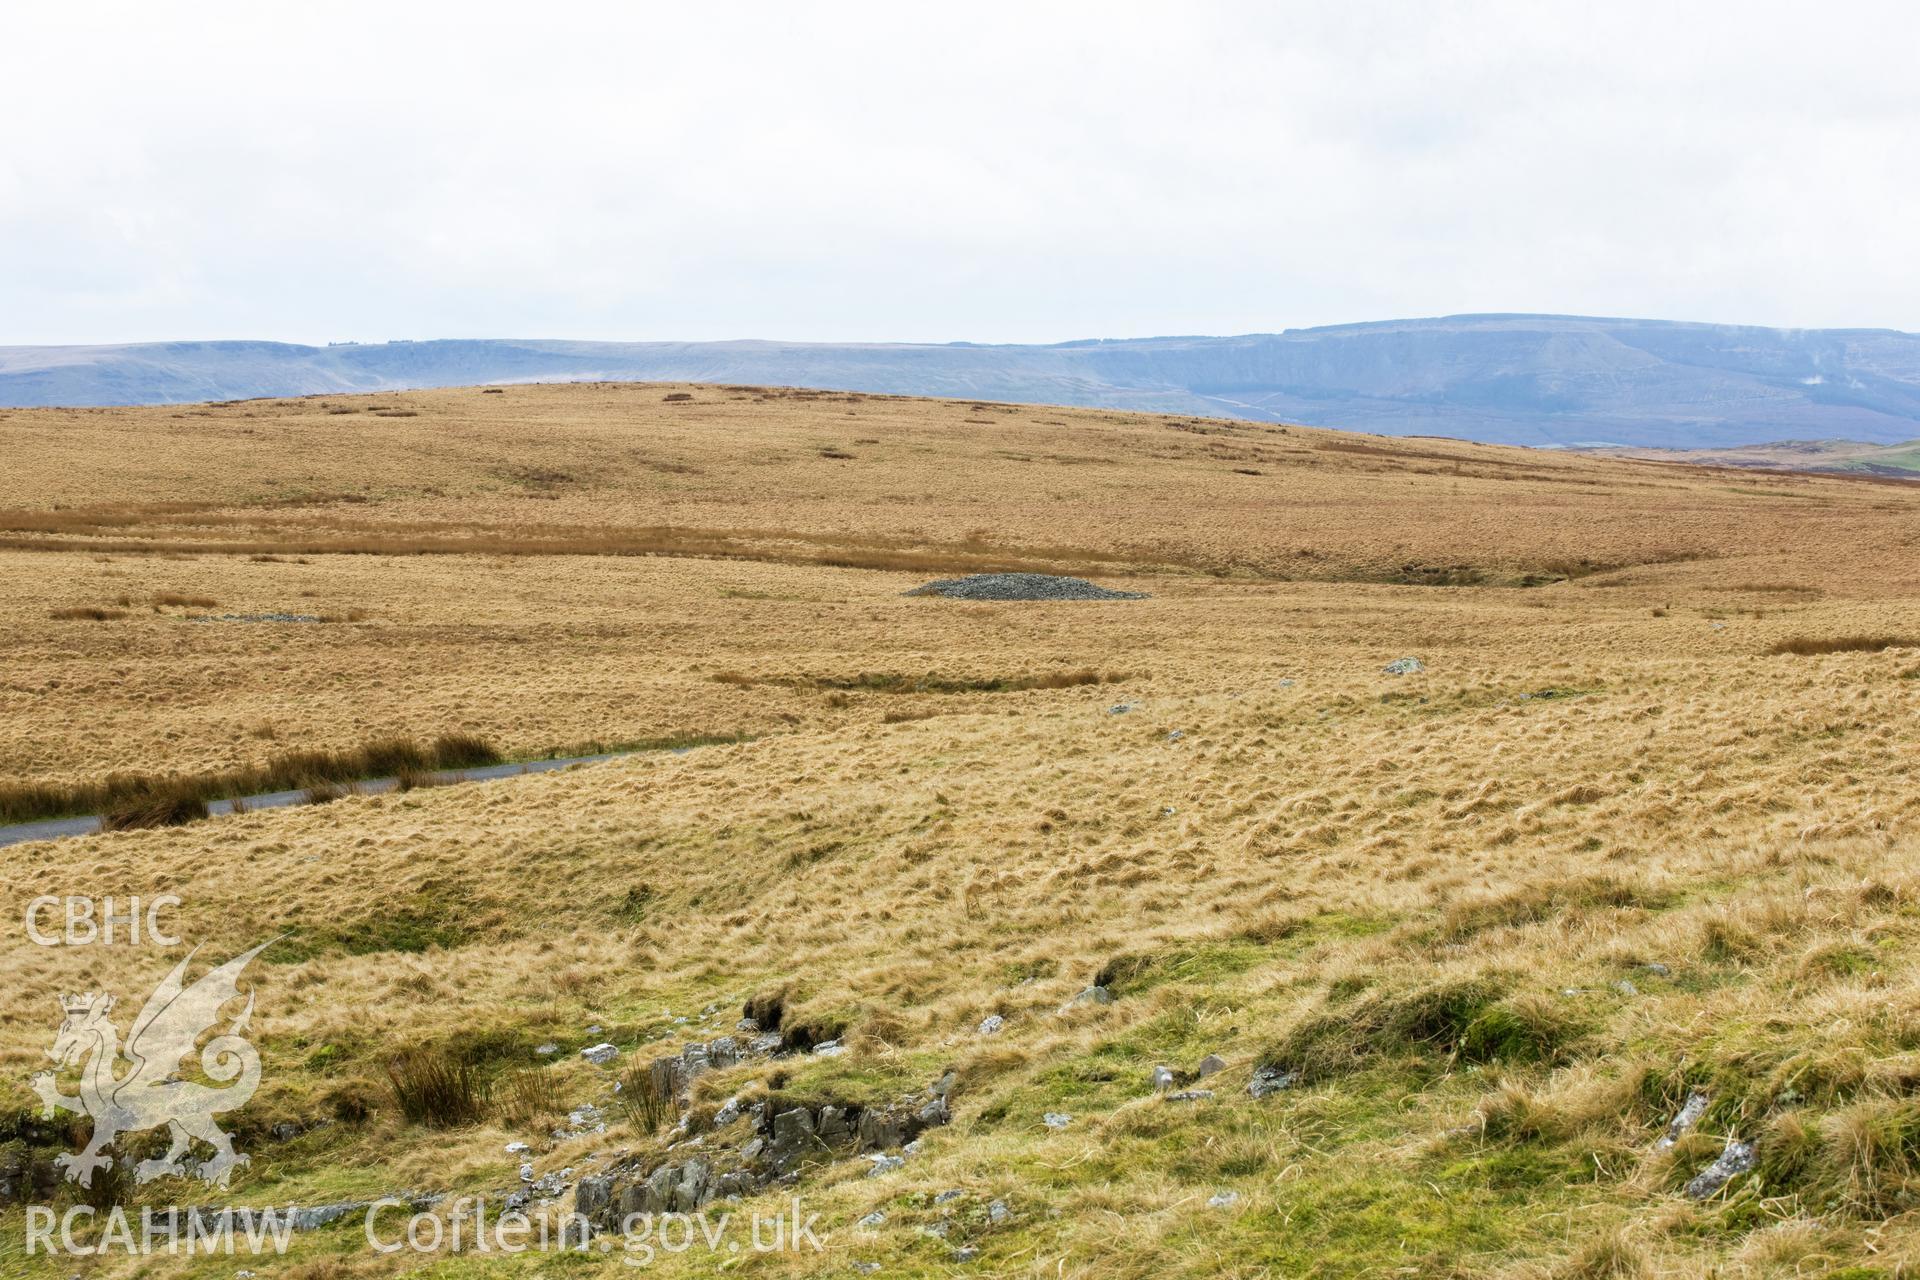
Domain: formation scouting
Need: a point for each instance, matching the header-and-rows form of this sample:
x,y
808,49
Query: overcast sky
x,y
970,171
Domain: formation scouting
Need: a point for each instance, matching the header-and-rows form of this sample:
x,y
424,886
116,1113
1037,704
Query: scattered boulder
x,y
998,1214
1163,1078
991,1024
1223,1200
600,1054
1210,1065
1190,1095
872,1220
1056,1119
1095,994
1404,667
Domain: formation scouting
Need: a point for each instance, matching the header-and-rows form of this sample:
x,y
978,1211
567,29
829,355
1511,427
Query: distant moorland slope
x,y
1512,379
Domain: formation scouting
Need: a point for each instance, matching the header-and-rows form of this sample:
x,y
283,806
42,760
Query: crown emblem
x,y
78,1004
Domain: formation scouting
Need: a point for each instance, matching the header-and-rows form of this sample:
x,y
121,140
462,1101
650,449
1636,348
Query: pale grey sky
x,y
1018,172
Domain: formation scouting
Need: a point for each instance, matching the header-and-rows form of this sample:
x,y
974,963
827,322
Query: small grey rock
x,y
829,1049
1223,1200
1735,1160
949,1196
1056,1119
1690,1113
1163,1078
872,1220
1657,969
1095,994
1404,667
866,1268
600,1054
966,1253
1190,1095
1176,735
912,1148
518,1148
991,1024
1120,708
1626,988
1209,1065
883,1164
548,1049
1268,1080
998,1213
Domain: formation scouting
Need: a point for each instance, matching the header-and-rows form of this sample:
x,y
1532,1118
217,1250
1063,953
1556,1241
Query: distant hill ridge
x,y
1515,379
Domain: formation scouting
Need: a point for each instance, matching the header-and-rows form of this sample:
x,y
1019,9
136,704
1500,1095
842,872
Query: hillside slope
x,y
1512,379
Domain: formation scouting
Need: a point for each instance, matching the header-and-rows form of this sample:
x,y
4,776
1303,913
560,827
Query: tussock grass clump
x,y
321,773
1535,903
178,600
525,1097
86,613
463,751
1610,1257
164,807
643,1101
1472,1019
1808,646
436,1088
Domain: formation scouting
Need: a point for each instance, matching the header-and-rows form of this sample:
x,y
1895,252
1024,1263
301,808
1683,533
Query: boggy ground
x,y
1432,898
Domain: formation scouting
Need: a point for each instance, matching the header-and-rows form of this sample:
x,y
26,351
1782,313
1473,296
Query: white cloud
x,y
990,172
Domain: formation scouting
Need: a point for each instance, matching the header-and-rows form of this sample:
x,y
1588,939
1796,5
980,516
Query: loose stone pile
x,y
1021,586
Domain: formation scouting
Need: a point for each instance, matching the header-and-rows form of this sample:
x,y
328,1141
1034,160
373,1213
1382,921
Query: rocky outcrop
x,y
780,1138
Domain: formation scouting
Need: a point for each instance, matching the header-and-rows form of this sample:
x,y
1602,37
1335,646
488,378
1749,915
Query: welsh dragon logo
x,y
150,1092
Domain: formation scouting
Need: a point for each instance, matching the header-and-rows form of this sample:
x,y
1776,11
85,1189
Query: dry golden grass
x,y
1421,889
